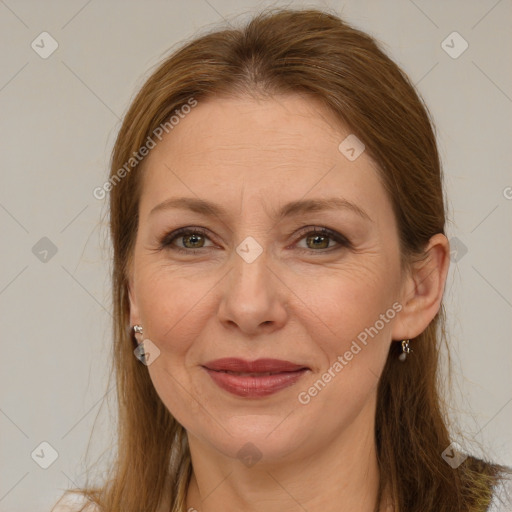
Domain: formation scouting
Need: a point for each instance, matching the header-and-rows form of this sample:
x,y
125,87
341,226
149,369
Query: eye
x,y
191,239
319,239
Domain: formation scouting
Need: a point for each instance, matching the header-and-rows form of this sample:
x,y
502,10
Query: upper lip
x,y
234,364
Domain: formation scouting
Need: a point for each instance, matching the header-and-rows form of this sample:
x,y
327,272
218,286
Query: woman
x,y
277,218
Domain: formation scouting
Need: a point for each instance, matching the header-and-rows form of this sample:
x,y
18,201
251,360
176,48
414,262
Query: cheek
x,y
359,315
349,300
170,306
173,309
355,309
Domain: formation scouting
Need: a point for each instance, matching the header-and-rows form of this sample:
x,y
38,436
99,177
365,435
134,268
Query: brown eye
x,y
320,240
317,242
185,240
195,240
192,240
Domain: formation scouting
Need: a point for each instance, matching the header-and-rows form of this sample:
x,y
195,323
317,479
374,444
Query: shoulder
x,y
74,502
502,493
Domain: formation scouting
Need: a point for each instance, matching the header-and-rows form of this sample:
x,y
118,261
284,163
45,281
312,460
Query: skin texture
x,y
296,301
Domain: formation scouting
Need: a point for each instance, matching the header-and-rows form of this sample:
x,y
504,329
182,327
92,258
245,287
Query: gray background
x,y
59,118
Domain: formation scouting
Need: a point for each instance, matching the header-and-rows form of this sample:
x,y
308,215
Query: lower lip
x,y
254,387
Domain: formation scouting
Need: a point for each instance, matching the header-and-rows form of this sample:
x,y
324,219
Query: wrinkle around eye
x,y
292,234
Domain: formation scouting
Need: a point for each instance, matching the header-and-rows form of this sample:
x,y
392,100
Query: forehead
x,y
283,147
243,126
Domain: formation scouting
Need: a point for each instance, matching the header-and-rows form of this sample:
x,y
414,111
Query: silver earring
x,y
145,351
405,350
139,351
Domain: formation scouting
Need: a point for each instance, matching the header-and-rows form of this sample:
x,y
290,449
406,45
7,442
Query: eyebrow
x,y
208,208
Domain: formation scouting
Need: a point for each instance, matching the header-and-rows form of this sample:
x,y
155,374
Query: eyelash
x,y
166,241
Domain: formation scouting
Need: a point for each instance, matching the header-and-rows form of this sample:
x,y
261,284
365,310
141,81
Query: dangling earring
x,y
137,329
405,350
146,351
139,351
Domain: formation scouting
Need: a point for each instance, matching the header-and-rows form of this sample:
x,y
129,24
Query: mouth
x,y
257,367
252,374
249,383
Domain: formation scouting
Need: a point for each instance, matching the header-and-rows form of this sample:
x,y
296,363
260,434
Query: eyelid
x,y
166,241
168,238
340,239
320,229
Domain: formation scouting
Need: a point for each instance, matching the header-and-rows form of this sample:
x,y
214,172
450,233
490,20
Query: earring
x,y
137,329
139,351
405,350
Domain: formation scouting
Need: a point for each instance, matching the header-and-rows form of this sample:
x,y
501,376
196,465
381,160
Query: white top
x,y
501,501
502,496
72,502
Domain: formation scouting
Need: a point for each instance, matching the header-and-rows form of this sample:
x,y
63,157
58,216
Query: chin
x,y
255,438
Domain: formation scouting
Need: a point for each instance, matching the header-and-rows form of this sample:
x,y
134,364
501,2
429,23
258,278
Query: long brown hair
x,y
314,53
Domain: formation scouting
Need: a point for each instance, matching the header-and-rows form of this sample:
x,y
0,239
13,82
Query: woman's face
x,y
256,282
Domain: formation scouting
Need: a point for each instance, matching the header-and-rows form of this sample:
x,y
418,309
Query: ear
x,y
423,289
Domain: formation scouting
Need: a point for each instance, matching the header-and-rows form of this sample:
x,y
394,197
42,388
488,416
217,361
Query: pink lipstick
x,y
254,379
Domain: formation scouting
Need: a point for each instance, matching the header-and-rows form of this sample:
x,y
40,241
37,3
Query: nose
x,y
253,298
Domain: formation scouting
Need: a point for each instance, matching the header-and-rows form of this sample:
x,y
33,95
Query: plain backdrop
x,y
59,118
